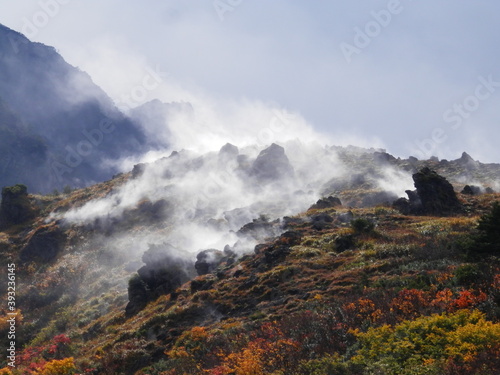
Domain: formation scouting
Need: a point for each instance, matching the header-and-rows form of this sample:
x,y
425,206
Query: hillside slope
x,y
339,288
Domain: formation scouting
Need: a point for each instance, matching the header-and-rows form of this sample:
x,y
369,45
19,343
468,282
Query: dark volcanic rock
x,y
44,244
138,170
326,203
16,207
272,164
471,190
207,261
138,295
259,229
434,195
402,205
166,269
321,221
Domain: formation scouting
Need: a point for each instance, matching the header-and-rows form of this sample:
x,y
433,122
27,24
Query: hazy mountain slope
x,y
76,120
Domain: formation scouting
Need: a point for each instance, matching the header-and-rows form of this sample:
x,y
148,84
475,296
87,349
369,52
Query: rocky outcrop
x,y
467,161
44,244
138,170
166,268
471,190
259,229
434,195
227,153
277,251
272,164
328,202
207,261
16,207
321,221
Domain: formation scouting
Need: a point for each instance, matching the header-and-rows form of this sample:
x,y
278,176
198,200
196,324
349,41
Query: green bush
x,y
328,365
362,225
488,239
467,274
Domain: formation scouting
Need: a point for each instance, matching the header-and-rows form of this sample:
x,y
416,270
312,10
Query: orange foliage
x,y
409,303
361,310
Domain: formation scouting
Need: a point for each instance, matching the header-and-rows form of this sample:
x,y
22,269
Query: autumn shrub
x,y
64,366
426,343
361,313
262,357
329,364
318,332
410,303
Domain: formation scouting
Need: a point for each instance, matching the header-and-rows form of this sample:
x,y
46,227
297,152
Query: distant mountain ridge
x,y
64,125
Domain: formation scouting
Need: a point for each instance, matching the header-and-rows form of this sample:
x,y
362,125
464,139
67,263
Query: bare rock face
x,y
272,164
16,207
434,195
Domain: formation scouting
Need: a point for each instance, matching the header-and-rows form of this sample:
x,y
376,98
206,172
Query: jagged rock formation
x,y
467,161
434,195
207,261
272,164
259,229
166,268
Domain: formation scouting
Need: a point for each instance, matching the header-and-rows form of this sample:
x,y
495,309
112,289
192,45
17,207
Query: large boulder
x,y
272,164
471,190
209,260
166,268
434,195
44,244
327,202
16,207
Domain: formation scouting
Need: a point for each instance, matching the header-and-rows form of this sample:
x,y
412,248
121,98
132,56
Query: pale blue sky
x,y
401,88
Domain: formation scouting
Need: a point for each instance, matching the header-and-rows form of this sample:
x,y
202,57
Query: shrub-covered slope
x,y
336,289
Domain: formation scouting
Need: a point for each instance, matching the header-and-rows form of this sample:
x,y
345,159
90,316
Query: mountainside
x,y
289,259
70,126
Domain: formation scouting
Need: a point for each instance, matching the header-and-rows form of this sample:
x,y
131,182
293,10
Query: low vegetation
x,y
381,293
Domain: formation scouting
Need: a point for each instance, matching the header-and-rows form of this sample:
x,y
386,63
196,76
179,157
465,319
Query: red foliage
x,y
410,303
